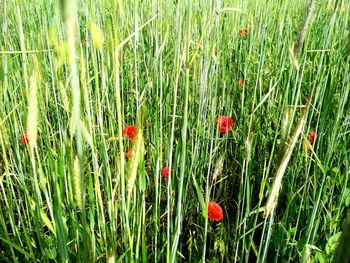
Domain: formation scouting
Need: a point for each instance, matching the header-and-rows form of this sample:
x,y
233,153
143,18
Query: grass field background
x,y
73,74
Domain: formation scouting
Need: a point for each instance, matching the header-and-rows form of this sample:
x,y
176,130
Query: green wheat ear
x,y
32,117
64,96
302,33
277,183
77,183
138,150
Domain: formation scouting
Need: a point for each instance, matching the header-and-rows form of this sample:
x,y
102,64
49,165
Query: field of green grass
x,y
174,131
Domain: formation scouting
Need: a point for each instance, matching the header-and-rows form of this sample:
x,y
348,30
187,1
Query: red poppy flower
x,y
243,32
214,211
312,136
24,139
165,172
128,154
241,82
225,123
85,40
130,131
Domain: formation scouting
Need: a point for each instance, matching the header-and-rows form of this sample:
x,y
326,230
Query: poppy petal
x,y
225,123
130,132
214,211
165,172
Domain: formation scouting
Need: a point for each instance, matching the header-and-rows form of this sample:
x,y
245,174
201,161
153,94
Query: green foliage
x,y
171,68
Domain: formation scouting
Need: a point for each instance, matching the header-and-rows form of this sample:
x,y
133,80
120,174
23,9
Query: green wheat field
x,y
175,131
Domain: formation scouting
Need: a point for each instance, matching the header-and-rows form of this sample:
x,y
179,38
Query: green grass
x,y
71,195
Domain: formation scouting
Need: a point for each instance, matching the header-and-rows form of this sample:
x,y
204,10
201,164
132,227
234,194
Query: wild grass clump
x,y
174,131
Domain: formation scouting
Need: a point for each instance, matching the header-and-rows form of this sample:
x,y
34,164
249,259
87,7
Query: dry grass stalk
x,y
302,33
276,187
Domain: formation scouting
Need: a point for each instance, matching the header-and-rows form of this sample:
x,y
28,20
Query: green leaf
x,y
292,230
47,221
321,257
332,243
200,197
15,246
142,180
347,196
